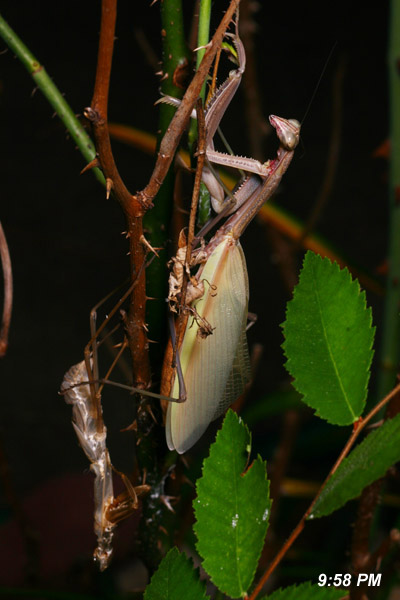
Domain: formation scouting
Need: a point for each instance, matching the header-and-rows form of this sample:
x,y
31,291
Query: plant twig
x,y
203,35
174,75
8,292
135,322
201,156
174,133
51,92
97,112
300,526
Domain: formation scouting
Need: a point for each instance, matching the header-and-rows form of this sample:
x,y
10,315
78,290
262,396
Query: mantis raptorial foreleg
x,y
252,187
213,116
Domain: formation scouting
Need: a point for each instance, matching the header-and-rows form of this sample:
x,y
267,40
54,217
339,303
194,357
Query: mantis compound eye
x,y
289,140
290,137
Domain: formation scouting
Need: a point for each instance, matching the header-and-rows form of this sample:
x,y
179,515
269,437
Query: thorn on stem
x,y
93,164
203,47
148,409
132,427
109,186
149,247
166,500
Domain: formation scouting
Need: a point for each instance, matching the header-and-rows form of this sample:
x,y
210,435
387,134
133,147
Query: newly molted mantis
x,y
215,368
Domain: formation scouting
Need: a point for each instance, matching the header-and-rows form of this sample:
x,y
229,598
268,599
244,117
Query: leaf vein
x,y
331,356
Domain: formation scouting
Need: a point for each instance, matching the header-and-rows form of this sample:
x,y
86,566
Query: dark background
x,y
68,252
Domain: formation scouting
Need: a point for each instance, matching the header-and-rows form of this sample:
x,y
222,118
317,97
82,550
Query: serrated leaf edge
x,y
360,295
246,469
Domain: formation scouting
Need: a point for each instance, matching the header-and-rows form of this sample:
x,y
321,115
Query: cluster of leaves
x,y
328,344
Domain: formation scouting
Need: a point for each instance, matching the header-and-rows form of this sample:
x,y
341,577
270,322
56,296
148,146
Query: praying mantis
x,y
215,364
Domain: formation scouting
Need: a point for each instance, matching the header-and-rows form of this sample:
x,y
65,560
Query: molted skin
x,y
93,443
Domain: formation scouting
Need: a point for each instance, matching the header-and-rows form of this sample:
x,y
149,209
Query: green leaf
x,y
367,462
231,509
328,341
175,579
305,591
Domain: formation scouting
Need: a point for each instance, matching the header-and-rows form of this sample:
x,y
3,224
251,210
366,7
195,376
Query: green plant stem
x,y
51,92
203,37
157,220
157,227
390,351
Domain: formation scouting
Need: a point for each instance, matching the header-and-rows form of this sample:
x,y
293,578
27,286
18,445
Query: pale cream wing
x,y
211,365
240,373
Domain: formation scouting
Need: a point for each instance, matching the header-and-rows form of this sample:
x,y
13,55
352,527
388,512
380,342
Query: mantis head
x,y
287,130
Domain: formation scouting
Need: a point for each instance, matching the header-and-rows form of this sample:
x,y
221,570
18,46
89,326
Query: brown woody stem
x,y
97,114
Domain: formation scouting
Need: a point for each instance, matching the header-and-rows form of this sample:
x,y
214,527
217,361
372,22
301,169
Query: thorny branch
x,y
97,114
